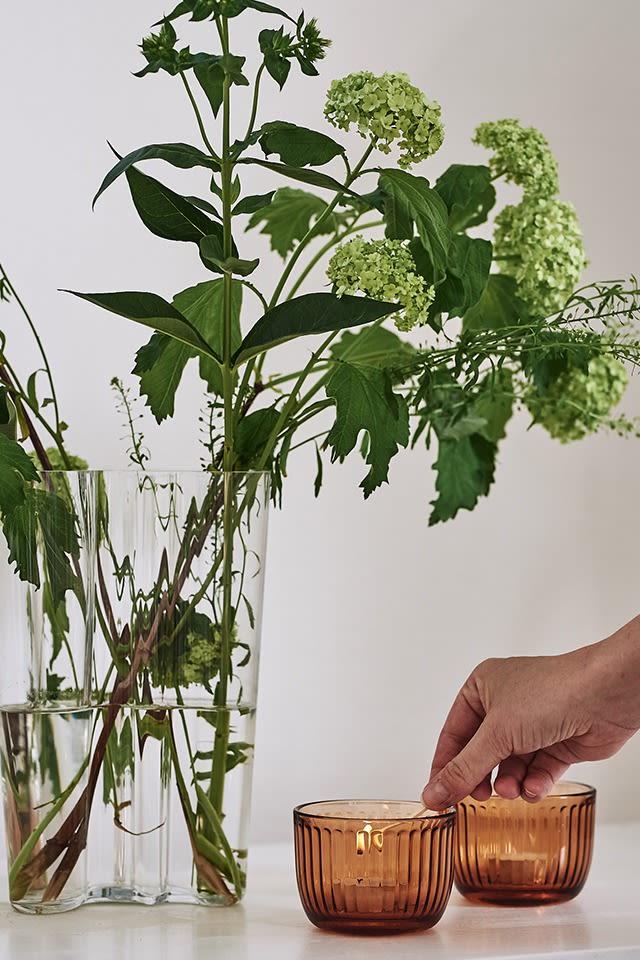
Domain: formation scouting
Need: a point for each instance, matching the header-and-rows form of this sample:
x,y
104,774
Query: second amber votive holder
x,y
373,866
514,853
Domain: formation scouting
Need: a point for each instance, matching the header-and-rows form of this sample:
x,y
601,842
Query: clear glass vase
x,y
131,623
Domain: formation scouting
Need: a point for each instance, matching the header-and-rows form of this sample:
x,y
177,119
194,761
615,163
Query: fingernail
x,y
436,795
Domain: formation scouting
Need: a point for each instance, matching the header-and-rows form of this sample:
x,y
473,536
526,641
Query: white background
x,y
372,620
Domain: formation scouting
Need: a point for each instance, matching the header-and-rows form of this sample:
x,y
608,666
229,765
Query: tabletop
x,y
602,923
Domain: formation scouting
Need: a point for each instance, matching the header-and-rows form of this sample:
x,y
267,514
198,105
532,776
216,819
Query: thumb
x,y
464,772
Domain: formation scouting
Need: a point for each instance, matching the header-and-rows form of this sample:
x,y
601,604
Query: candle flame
x,y
367,837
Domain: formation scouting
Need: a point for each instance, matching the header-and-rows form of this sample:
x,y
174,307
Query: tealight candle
x,y
514,852
373,865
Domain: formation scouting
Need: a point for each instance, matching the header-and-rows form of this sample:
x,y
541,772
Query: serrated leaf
x,y
494,404
16,470
151,311
468,193
298,146
288,218
413,198
311,313
59,538
465,471
181,155
373,346
366,402
160,363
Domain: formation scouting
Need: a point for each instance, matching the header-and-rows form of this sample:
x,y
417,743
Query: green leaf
x,y
20,534
298,146
59,538
203,306
366,402
165,213
497,307
151,311
8,421
414,198
210,77
468,268
252,433
16,470
160,363
373,346
494,404
267,8
313,177
289,217
211,254
311,313
465,471
178,154
468,193
253,203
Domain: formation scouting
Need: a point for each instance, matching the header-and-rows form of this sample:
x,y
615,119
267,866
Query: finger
x,y
484,790
511,773
461,724
466,772
544,770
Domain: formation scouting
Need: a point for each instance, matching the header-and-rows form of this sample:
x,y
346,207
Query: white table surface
x,y
602,922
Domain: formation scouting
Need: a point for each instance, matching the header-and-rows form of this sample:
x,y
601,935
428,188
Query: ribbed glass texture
x,y
514,852
373,866
130,643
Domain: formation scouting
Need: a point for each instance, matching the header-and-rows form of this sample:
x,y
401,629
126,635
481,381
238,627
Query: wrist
x,y
612,676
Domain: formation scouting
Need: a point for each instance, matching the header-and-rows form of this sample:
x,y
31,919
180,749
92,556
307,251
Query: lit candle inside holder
x,y
510,851
373,865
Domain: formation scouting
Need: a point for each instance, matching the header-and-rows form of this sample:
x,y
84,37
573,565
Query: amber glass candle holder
x,y
512,852
373,866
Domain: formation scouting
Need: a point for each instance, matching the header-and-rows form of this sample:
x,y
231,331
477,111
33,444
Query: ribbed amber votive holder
x,y
373,866
511,852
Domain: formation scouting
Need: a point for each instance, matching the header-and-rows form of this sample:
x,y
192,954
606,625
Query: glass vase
x,y
131,623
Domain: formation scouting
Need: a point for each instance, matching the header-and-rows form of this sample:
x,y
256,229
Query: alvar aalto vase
x,y
130,641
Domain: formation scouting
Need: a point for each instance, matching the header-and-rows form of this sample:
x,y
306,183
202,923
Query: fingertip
x,y
436,796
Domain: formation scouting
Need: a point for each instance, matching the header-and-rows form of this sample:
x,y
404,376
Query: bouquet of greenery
x,y
428,331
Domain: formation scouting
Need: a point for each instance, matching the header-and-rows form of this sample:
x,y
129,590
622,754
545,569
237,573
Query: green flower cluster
x,y
521,155
576,403
384,270
191,656
538,242
390,110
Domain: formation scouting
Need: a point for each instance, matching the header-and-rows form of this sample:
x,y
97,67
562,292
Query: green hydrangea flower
x,y
521,155
538,242
577,402
390,110
57,463
384,270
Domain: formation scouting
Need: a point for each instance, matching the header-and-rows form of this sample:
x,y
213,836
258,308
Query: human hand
x,y
535,716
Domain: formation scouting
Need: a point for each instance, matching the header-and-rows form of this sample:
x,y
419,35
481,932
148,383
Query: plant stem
x,y
313,230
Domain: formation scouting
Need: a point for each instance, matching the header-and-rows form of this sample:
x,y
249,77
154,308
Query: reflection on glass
x,y
373,866
514,852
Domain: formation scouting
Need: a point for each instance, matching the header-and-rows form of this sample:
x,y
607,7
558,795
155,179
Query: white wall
x,y
372,620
